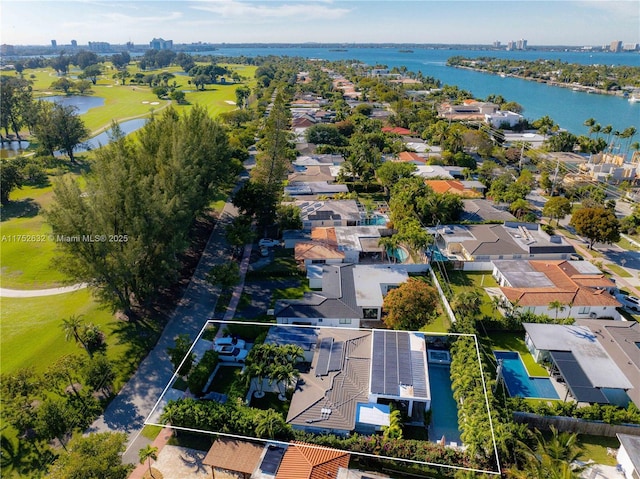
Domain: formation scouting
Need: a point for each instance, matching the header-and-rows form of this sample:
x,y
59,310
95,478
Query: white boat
x,y
634,99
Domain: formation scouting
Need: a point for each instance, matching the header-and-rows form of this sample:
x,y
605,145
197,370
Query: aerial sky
x,y
558,22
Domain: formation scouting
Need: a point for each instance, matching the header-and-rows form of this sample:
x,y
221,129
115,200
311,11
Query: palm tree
x,y
148,453
283,375
269,424
607,130
558,306
394,429
589,123
257,370
73,329
467,303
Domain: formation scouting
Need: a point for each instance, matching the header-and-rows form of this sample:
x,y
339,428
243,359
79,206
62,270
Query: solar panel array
x,y
391,365
330,356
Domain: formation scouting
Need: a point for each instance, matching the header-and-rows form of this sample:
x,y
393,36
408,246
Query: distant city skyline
x,y
588,23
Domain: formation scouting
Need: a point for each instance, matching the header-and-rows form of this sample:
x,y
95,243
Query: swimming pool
x,y
517,379
376,220
400,254
444,410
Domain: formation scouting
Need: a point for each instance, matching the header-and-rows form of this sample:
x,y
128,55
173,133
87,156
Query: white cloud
x,y
299,10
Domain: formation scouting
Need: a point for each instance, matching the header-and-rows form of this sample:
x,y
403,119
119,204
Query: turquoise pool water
x,y
444,410
400,254
518,381
376,220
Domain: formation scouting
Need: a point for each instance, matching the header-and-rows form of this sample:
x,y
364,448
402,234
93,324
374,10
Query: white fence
x,y
443,298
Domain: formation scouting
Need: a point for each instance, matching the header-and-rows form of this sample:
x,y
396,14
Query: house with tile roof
x,y
582,288
231,458
484,243
350,293
353,376
465,189
411,157
308,461
397,130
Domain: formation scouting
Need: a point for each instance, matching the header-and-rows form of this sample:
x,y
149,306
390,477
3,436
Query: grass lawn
x,y
31,332
225,378
623,273
290,293
595,448
504,341
124,102
623,243
440,324
461,281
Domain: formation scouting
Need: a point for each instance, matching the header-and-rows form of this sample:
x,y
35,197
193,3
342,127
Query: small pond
x,y
103,138
82,103
11,149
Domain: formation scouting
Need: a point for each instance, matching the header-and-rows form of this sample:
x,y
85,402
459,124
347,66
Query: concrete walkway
x,y
36,293
129,409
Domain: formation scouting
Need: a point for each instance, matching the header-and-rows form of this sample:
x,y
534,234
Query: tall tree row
x,y
124,231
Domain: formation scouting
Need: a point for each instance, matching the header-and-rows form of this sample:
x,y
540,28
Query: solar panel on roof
x,y
335,358
404,359
391,363
322,366
377,363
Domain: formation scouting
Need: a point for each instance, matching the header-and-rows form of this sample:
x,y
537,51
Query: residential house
x,y
499,118
314,188
620,340
397,130
579,360
411,157
354,369
350,243
628,455
479,211
309,461
582,289
234,458
329,213
466,189
512,240
433,172
350,293
468,110
532,138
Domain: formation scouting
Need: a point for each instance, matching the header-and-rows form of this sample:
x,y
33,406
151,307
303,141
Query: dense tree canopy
x,y
597,225
133,217
411,305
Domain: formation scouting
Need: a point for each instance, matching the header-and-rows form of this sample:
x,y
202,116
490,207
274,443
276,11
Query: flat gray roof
x,y
631,444
597,365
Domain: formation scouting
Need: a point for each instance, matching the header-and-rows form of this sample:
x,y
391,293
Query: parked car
x,y
268,243
630,302
229,341
231,354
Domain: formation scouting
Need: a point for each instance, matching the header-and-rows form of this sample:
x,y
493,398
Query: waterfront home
x,y
468,110
501,118
581,289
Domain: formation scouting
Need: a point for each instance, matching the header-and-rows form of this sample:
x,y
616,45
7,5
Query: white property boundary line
x,y
148,422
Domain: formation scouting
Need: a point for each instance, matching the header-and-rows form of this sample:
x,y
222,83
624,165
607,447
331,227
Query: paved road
x,y
35,293
129,409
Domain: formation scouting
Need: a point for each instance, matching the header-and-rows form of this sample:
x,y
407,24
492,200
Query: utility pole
x,y
555,177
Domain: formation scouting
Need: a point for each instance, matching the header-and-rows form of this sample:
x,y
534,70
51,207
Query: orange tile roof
x,y
398,130
445,186
305,251
410,156
326,234
234,455
570,287
307,461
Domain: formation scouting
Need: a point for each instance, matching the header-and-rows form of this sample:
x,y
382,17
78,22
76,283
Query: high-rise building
x,y
54,44
100,47
496,44
630,47
521,44
615,46
161,44
511,45
74,43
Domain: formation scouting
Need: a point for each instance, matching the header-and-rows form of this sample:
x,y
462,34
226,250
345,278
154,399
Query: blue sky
x,y
236,21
